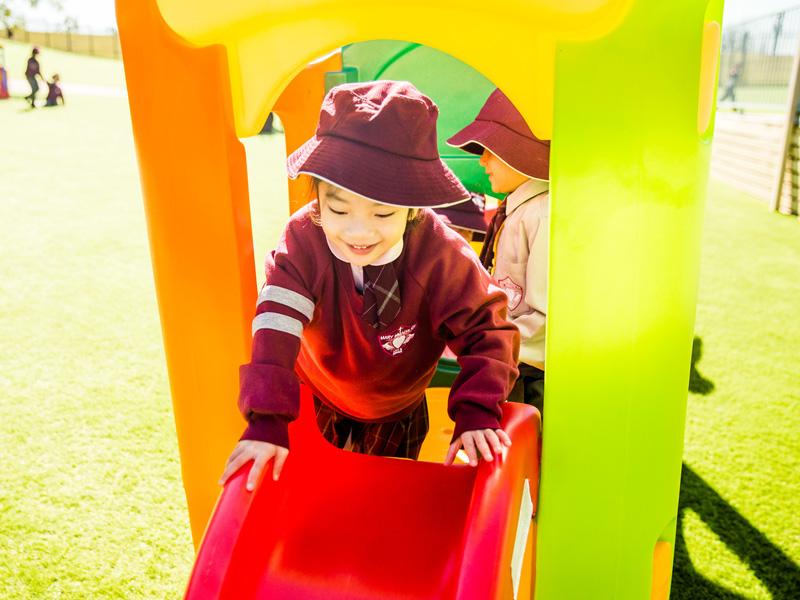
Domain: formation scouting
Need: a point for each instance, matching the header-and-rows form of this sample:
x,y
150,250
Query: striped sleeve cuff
x,y
286,297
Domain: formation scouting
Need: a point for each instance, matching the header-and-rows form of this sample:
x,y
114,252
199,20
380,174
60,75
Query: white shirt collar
x,y
358,272
529,189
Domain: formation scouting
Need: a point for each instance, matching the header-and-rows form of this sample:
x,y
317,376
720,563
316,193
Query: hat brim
x,y
528,156
376,174
462,220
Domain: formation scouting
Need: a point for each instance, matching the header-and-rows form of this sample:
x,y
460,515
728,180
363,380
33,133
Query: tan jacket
x,y
521,265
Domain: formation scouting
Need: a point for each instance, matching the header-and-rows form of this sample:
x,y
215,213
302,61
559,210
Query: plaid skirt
x,y
401,439
529,387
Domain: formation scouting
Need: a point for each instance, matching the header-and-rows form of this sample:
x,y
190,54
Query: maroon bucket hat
x,y
378,140
466,215
500,128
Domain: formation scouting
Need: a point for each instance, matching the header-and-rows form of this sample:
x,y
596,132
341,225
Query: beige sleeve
x,y
532,325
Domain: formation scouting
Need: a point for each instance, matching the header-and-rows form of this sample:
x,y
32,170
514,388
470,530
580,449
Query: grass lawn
x,y
91,503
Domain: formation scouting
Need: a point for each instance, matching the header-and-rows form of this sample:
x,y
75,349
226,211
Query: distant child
x,y
730,84
31,73
367,287
54,92
516,244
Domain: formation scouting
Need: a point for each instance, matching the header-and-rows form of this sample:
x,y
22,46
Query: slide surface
x,y
341,525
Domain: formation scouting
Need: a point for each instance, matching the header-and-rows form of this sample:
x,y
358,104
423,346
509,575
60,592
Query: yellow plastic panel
x,y
708,75
288,34
208,21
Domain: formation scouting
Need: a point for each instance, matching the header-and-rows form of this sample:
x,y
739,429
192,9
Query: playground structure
x,y
629,110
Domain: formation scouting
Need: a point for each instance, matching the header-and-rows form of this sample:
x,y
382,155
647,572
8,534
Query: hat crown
x,y
501,129
499,109
392,116
378,140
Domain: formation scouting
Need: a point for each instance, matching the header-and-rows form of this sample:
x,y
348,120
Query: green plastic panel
x,y
446,372
457,89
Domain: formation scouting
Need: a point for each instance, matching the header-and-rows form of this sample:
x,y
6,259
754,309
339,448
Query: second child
x,y
515,249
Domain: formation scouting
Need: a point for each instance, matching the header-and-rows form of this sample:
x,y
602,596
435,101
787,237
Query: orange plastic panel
x,y
662,571
298,108
194,185
195,191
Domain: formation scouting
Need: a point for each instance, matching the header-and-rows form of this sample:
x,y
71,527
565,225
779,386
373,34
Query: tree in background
x,y
11,16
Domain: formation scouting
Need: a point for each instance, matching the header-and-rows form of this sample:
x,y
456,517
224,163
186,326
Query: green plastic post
x,y
629,173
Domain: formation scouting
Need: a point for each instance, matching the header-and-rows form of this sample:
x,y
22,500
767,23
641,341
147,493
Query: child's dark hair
x,y
414,214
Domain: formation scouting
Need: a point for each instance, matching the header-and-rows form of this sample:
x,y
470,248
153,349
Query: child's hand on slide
x,y
489,442
260,453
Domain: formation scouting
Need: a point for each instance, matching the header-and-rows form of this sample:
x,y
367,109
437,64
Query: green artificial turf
x,y
91,503
740,493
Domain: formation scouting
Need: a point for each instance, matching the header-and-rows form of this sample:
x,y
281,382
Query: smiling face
x,y
362,230
503,178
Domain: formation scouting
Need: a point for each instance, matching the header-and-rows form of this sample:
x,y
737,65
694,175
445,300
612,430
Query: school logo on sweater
x,y
395,342
512,290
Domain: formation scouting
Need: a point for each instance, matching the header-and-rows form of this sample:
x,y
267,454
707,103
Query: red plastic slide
x,y
339,525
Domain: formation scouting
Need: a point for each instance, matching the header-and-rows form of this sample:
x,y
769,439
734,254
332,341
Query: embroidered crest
x,y
395,342
512,290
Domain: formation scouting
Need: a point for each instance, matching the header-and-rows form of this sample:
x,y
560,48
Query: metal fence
x,y
756,60
106,46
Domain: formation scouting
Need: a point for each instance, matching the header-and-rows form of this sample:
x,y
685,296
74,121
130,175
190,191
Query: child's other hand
x,y
260,453
489,442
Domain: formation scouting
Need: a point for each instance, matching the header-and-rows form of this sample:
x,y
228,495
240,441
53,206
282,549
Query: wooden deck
x,y
745,152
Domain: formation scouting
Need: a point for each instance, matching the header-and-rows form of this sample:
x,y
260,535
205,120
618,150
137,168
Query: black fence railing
x,y
756,60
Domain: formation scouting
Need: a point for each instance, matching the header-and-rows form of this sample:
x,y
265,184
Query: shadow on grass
x,y
697,383
776,571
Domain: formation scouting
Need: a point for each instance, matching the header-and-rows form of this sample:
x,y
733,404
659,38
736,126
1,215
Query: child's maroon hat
x,y
378,140
466,215
501,129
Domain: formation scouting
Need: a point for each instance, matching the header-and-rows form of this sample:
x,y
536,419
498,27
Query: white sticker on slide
x,y
521,541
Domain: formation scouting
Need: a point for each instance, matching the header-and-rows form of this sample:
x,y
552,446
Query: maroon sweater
x,y
308,324
33,67
54,92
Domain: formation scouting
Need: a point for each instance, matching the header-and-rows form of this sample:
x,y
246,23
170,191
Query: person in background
x,y
31,73
54,92
730,84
